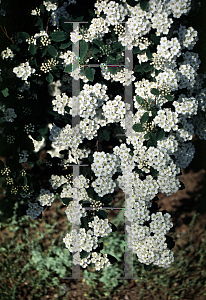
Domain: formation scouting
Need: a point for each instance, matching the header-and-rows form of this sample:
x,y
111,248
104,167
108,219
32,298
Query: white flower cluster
x,y
96,30
36,12
186,106
166,119
123,76
34,210
104,166
49,5
61,12
45,197
59,103
8,53
74,212
23,156
149,248
41,34
187,37
168,49
99,259
88,241
68,192
9,115
56,181
68,57
24,71
185,134
114,110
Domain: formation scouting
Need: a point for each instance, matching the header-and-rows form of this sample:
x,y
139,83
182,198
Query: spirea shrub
x,y
37,109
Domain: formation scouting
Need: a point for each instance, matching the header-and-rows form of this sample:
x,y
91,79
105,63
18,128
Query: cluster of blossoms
x,y
29,128
56,181
104,166
49,5
23,156
96,110
9,115
24,71
8,53
88,241
34,210
45,197
48,65
149,248
36,12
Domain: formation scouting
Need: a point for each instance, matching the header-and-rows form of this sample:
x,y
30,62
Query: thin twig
x,y
5,32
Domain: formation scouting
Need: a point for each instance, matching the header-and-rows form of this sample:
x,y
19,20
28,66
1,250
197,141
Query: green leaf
x,y
139,69
153,139
138,127
32,49
83,254
83,49
66,201
25,180
5,92
90,158
154,172
139,99
149,68
43,52
117,46
111,258
136,50
90,192
52,51
24,36
144,118
105,135
160,135
113,70
154,111
148,267
66,26
132,3
149,144
68,68
100,44
42,8
111,61
107,200
43,131
89,73
101,214
155,39
84,171
84,221
144,5
67,109
39,23
147,136
50,78
65,45
149,54
155,92
59,36
169,97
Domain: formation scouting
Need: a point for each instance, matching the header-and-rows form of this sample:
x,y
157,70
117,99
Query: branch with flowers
x,y
169,106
